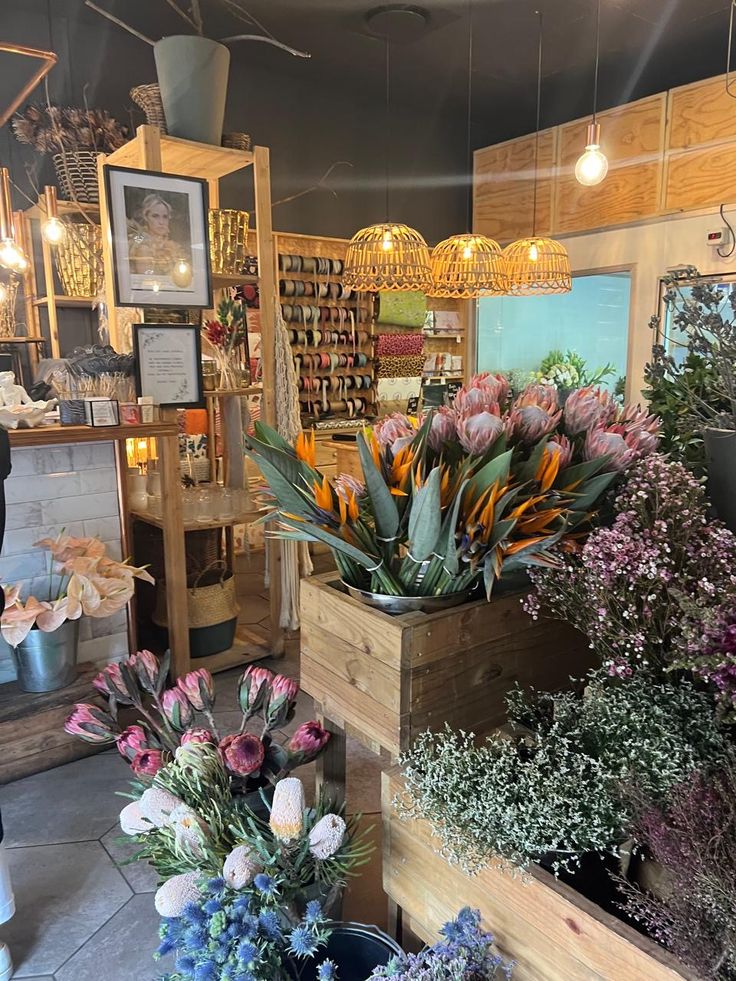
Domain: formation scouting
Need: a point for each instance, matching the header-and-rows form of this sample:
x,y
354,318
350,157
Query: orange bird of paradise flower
x,y
306,448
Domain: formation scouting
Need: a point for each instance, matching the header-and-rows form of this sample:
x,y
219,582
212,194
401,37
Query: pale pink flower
x,y
253,688
544,396
18,619
132,741
587,408
483,393
91,724
110,682
197,735
308,741
146,666
177,709
529,423
281,702
199,688
477,433
394,431
561,446
442,428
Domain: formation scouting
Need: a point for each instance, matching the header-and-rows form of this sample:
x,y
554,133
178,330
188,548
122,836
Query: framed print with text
x,y
168,364
160,242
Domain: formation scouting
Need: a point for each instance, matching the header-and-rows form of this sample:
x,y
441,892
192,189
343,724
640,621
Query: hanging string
x,y
597,59
469,205
539,117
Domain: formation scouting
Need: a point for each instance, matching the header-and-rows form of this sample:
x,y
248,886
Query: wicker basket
x,y
237,141
76,171
148,97
7,307
79,259
211,599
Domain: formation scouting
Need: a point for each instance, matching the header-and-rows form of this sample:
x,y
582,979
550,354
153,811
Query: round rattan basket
x,y
237,141
76,172
228,240
79,259
148,98
466,266
387,257
537,266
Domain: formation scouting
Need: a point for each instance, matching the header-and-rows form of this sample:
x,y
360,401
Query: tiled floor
x,y
80,916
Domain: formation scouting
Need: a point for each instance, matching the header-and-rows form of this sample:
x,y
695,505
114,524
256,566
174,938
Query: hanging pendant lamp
x,y
11,255
467,266
592,165
388,256
537,266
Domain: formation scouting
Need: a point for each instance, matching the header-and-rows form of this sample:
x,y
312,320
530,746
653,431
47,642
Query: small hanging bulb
x,y
592,165
11,257
52,228
533,252
388,241
21,263
468,251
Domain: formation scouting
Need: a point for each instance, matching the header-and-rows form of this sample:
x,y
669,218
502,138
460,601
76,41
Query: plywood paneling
x,y
629,134
701,113
700,177
504,187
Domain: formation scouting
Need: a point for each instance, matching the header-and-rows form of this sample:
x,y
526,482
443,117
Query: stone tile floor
x,y
82,917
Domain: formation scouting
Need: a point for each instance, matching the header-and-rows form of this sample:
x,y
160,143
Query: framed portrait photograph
x,y
160,243
168,364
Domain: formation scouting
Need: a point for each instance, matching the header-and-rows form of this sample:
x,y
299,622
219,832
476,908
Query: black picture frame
x,y
136,286
191,345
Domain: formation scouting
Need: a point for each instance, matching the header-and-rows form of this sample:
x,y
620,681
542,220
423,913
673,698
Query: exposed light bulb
x,y
592,165
183,267
468,252
388,241
21,263
533,252
53,231
11,256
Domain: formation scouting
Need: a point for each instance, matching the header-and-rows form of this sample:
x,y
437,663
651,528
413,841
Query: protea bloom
x,y
243,753
91,724
395,431
199,688
147,667
478,433
483,393
561,446
197,735
308,742
109,682
253,688
281,701
442,428
327,836
635,419
177,709
147,763
132,741
529,423
287,811
545,396
586,408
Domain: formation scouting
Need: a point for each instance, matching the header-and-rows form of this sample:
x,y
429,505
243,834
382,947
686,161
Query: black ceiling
x,y
647,46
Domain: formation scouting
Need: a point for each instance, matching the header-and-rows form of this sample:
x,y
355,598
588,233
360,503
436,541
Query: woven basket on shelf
x,y
79,259
7,307
148,97
211,599
76,171
237,141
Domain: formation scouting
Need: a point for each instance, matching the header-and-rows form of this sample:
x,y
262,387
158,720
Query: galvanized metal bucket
x,y
48,661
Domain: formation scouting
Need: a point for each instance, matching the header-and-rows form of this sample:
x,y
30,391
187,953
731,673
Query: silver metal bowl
x,y
411,604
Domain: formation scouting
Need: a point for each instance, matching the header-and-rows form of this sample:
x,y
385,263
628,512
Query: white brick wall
x,y
71,487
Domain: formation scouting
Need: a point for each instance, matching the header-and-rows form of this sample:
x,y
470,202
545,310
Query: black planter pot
x,y
592,879
720,449
355,948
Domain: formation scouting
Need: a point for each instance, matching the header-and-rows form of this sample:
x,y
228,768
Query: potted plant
x,y
74,137
703,385
44,632
476,491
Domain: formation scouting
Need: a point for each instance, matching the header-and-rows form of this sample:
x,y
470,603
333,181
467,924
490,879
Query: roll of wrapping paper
x,y
400,344
402,309
400,366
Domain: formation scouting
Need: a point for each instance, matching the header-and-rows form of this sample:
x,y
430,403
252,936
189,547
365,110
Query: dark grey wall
x,y
283,102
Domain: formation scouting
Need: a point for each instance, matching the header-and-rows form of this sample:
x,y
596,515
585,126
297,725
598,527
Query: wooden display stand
x,y
552,932
384,679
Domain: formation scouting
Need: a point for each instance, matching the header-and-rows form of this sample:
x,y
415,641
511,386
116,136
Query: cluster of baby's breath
x,y
555,790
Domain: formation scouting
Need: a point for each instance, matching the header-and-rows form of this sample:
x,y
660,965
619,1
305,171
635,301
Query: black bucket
x,y
355,948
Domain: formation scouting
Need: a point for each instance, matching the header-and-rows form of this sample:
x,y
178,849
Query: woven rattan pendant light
x,y
387,256
467,266
537,266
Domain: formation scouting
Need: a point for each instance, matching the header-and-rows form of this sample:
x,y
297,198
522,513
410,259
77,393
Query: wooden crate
x,y
387,678
552,932
32,726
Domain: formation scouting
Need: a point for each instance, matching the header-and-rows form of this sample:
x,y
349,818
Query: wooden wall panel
x,y
701,113
504,187
700,177
632,137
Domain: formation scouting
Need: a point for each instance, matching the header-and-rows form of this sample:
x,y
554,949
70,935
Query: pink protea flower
x,y
287,810
346,484
176,708
478,433
586,408
197,735
394,431
608,442
281,701
147,763
529,423
483,393
243,753
146,666
253,689
635,419
442,428
91,724
308,741
132,741
544,396
199,688
561,446
109,682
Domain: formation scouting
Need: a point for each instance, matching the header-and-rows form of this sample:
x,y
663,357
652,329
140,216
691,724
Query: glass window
x,y
515,334
674,340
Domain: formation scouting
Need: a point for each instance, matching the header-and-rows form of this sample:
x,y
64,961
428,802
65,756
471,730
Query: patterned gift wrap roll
x,y
400,344
402,309
400,366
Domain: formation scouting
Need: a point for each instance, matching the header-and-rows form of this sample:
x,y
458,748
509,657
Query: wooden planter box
x,y
387,678
552,932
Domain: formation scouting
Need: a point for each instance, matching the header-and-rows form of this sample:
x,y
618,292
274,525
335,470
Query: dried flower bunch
x,y
641,588
693,836
52,129
82,581
170,718
555,789
465,953
228,331
476,490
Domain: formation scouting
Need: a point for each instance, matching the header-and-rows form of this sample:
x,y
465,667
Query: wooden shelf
x,y
50,435
158,522
66,301
221,281
22,340
224,392
63,208
185,158
248,647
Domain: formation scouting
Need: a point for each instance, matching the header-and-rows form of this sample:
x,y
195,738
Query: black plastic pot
x,y
720,448
355,948
593,878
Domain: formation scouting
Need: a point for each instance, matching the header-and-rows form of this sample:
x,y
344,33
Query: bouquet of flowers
x,y
567,369
82,581
170,718
475,490
226,335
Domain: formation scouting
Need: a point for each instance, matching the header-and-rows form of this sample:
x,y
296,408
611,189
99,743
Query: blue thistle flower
x,y
216,886
302,941
265,884
213,906
327,971
247,953
269,922
194,914
185,964
206,972
313,913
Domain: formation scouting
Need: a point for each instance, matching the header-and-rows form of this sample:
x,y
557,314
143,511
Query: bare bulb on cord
x,y
533,252
11,256
388,241
592,165
53,231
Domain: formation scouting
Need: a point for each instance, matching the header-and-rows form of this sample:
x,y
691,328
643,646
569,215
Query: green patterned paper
x,y
402,309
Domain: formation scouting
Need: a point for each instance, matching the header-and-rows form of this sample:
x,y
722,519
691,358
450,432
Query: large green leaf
x,y
447,547
528,469
285,490
501,530
314,533
591,490
425,517
495,470
579,472
385,511
266,434
294,471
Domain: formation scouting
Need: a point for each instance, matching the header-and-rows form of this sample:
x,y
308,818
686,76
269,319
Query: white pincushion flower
x,y
287,811
190,829
327,836
132,821
240,867
176,893
156,805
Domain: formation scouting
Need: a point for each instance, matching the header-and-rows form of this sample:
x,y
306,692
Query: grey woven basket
x,y
148,98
